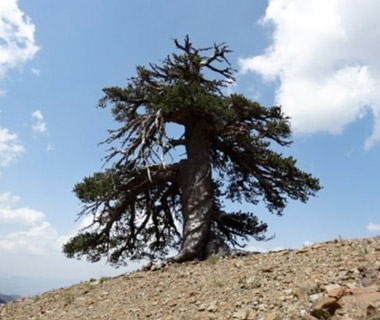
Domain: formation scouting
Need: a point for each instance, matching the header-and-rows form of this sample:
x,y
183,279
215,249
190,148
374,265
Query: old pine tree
x,y
150,199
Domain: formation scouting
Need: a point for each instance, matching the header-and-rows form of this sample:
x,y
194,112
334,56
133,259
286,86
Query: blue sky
x,y
317,58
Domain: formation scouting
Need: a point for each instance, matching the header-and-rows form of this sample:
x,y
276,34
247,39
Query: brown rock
x,y
364,297
325,308
272,316
331,287
212,307
306,288
202,307
359,291
373,313
315,297
241,314
339,292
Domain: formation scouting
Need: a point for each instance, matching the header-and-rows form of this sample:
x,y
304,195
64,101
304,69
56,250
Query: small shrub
x,y
212,259
89,286
68,297
104,279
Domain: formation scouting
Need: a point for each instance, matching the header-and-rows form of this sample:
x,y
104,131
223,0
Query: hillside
x,y
339,279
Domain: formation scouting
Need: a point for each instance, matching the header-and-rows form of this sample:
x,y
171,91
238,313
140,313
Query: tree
x,y
142,199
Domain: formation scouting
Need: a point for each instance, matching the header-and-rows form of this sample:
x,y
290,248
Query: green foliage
x,y
68,297
89,287
94,188
104,279
212,259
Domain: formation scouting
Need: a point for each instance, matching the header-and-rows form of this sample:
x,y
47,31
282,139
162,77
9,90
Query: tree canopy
x,y
149,200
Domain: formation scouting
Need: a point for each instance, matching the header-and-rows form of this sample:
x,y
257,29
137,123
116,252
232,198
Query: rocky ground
x,y
333,280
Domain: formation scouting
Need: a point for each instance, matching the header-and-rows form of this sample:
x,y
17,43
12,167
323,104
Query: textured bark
x,y
196,186
216,246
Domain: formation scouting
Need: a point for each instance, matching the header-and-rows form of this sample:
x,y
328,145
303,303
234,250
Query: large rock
x,y
362,301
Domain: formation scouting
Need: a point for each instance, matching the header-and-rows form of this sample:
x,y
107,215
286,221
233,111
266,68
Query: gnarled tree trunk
x,y
197,198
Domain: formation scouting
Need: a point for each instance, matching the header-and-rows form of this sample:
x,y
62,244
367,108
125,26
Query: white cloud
x,y
373,227
10,147
38,240
231,86
307,243
38,115
40,124
325,55
7,200
25,216
17,43
17,46
19,216
50,148
35,235
36,251
35,71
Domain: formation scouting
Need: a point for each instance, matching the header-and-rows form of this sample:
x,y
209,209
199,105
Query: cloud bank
x,y
10,147
325,56
17,46
17,43
36,236
32,234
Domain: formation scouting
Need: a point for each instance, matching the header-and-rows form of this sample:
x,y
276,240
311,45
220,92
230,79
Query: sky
x,y
318,59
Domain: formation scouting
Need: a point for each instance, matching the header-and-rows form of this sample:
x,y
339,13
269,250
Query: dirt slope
x,y
332,280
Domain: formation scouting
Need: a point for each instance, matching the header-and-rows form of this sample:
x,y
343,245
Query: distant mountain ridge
x,y
6,298
29,285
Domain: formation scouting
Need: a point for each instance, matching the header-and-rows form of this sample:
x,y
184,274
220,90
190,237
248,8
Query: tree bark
x,y
197,198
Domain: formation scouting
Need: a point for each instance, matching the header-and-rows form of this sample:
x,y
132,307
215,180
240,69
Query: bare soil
x,y
339,279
